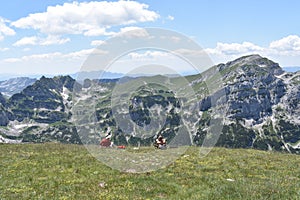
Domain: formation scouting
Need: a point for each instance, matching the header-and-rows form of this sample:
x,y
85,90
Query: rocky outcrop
x,y
34,113
43,101
58,132
261,100
3,112
3,118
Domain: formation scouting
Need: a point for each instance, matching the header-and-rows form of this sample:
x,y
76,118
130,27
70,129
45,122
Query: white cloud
x,y
175,39
4,49
151,62
50,40
48,63
26,41
87,18
289,43
287,46
191,52
26,49
4,29
46,56
97,31
224,52
97,42
81,55
148,55
132,32
12,60
170,17
34,57
285,50
84,53
235,48
53,40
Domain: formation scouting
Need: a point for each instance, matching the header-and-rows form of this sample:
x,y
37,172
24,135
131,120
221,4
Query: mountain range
x,y
259,102
15,85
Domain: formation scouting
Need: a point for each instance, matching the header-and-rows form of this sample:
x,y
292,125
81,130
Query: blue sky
x,y
55,36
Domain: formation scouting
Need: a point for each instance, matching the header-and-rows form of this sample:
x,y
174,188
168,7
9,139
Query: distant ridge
x,y
15,85
291,69
95,75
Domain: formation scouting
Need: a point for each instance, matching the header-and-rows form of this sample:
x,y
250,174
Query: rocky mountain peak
x,y
257,61
56,83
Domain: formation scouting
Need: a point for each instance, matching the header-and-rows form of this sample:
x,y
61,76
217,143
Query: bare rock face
x,y
3,113
251,86
262,105
41,112
3,118
43,101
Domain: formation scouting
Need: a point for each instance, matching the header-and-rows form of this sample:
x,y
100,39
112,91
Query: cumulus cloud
x,y
170,17
97,42
4,29
26,41
151,62
46,56
133,32
84,53
191,52
53,40
224,52
41,41
286,49
4,49
97,31
234,48
35,57
49,63
148,55
12,60
289,43
87,18
26,49
76,55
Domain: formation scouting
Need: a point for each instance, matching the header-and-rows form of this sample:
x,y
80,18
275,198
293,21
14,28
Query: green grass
x,y
59,171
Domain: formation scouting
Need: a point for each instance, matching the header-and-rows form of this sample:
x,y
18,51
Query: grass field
x,y
57,171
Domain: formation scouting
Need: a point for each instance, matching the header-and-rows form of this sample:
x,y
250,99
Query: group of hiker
x,y
159,143
106,141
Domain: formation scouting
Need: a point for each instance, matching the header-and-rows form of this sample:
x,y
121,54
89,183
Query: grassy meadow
x,y
60,171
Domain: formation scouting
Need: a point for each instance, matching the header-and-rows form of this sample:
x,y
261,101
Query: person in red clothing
x,y
106,142
160,142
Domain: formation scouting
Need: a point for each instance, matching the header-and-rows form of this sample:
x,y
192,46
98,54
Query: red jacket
x,y
105,142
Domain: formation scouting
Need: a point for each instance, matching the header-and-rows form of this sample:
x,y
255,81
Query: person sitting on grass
x,y
160,142
106,142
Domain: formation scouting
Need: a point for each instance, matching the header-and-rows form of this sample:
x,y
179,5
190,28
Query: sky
x,y
56,37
